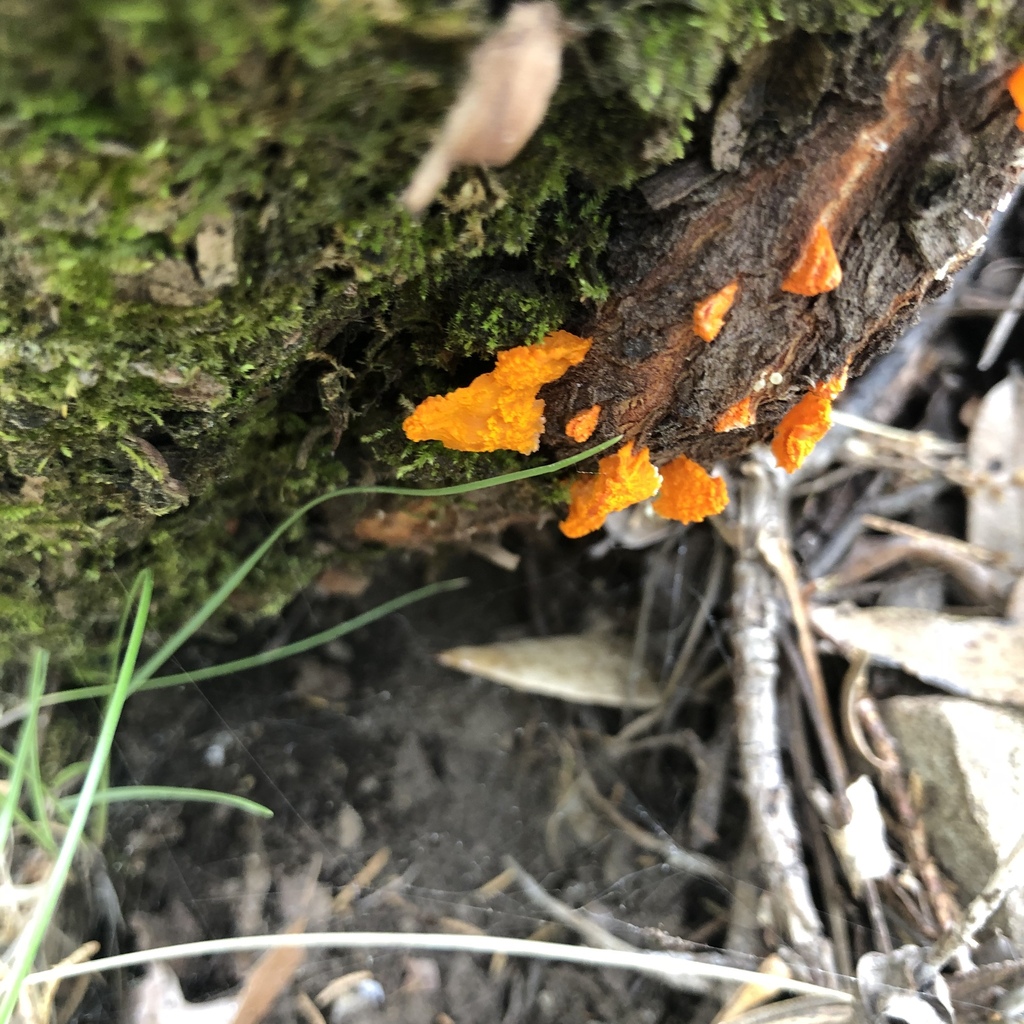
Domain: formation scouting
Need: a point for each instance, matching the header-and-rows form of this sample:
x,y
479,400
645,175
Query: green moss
x,y
128,387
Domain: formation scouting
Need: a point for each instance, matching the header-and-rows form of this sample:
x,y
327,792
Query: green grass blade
x,y
26,741
38,793
28,942
309,642
210,606
124,794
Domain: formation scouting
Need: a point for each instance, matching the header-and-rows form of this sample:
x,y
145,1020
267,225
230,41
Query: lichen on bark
x,y
206,283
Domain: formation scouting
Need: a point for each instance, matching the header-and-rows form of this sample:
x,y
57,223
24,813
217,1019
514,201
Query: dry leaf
x,y
971,656
860,844
584,669
513,74
157,999
995,451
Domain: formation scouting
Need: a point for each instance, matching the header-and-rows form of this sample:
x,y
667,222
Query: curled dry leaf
x,y
513,74
584,669
971,656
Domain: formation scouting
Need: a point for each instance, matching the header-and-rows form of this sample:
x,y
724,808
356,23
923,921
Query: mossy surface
x,y
158,410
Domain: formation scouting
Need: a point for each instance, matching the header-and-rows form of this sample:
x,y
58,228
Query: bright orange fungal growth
x,y
740,414
1016,87
806,424
817,267
709,314
689,493
622,480
499,409
583,424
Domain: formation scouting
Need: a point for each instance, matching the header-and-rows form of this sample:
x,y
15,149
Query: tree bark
x,y
905,154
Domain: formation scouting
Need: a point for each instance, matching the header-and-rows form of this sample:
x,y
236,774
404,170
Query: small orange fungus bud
x,y
1016,87
740,414
622,480
817,267
583,424
689,493
806,424
499,409
709,315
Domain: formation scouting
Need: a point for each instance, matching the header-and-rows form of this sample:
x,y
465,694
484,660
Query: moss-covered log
x,y
212,307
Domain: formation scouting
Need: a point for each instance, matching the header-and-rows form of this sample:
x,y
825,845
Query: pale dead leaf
x,y
860,844
157,999
584,669
995,452
513,74
971,656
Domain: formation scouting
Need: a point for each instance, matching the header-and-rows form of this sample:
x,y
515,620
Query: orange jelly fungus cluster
x,y
499,409
1016,87
739,415
622,479
689,493
817,267
583,424
806,424
709,315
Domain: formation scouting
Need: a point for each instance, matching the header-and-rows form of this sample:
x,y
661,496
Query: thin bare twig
x,y
673,855
892,779
755,629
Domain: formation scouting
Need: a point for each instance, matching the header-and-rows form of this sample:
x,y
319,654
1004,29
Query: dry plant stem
x,y
1002,330
822,850
882,937
712,588
666,967
821,719
895,504
587,929
1008,875
913,838
756,624
773,543
674,856
913,443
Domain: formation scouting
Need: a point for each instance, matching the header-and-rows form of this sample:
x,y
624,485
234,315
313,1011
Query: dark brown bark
x,y
905,155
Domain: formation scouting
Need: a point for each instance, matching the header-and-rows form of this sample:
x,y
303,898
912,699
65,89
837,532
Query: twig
x,y
587,929
667,967
755,628
886,762
1003,329
801,757
673,855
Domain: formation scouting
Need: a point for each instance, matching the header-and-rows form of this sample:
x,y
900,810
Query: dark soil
x,y
369,744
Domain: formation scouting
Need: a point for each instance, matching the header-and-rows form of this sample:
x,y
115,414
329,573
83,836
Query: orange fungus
x,y
622,479
689,493
1016,87
583,424
740,414
805,424
817,267
709,315
499,409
